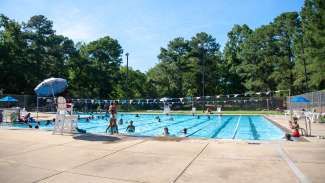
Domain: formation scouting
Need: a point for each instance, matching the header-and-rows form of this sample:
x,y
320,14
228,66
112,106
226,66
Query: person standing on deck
x,y
113,109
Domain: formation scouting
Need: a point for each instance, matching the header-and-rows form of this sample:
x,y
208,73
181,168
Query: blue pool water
x,y
217,127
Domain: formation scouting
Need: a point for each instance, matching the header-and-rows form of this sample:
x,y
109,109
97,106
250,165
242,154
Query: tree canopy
x,y
287,53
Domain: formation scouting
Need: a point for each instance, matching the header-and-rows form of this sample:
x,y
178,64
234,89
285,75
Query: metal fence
x,y
317,102
27,101
252,103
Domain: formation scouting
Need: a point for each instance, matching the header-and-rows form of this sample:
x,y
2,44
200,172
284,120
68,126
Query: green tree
x,y
174,65
136,87
48,53
159,78
313,40
99,63
286,28
205,52
12,57
232,51
182,64
258,55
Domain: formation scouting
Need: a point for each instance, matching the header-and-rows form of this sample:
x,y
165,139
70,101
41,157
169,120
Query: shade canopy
x,y
8,99
299,99
51,87
164,99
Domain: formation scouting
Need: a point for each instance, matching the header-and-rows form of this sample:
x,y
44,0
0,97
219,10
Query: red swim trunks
x,y
295,133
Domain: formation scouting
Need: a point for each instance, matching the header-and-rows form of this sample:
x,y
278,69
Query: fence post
x,y
320,102
290,104
312,99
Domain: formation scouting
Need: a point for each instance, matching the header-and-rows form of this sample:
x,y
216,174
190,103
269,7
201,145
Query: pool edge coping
x,y
286,130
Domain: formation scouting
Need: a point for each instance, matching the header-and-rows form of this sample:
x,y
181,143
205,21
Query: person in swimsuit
x,y
120,122
131,127
184,131
112,109
166,131
112,126
295,127
37,125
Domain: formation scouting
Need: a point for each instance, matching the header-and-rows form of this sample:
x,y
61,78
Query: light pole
x,y
127,80
304,62
201,46
203,82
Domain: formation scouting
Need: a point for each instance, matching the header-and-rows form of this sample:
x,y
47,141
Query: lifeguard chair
x,y
64,122
166,109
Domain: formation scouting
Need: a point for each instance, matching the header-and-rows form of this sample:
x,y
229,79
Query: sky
x,y
142,27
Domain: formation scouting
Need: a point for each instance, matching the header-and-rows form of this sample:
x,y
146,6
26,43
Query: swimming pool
x,y
246,127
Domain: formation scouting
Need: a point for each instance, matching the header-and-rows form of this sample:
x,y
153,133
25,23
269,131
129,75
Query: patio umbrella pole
x,y
37,108
290,104
309,122
306,126
53,96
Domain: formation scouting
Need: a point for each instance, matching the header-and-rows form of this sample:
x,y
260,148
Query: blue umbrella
x,y
299,99
51,87
8,99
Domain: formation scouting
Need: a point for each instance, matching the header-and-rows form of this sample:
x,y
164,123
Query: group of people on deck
x,y
28,119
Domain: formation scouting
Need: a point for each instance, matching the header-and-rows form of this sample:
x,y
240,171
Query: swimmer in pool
x,y
131,127
166,131
120,122
184,131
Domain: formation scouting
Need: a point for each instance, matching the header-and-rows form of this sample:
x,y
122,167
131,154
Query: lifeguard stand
x,y
64,122
166,108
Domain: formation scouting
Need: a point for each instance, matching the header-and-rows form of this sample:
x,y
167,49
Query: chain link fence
x,y
29,102
317,102
227,103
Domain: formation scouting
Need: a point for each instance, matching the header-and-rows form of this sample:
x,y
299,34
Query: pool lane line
x,y
92,127
253,129
187,128
143,124
224,124
199,129
197,124
236,129
167,125
302,178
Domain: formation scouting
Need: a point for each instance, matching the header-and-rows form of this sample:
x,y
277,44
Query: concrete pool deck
x,y
29,155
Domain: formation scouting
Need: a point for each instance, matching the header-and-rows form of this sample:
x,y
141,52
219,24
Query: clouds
x,y
75,25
